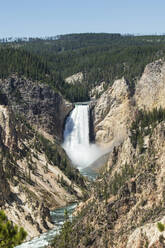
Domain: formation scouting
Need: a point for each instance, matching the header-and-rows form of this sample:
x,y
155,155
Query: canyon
x,y
127,199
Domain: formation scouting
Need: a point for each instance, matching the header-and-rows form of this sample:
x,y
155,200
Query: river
x,y
82,153
58,220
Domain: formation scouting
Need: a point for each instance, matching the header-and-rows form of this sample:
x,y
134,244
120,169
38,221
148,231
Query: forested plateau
x,y
100,57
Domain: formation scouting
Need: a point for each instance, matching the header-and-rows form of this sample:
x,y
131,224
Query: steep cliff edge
x,y
42,107
116,108
35,173
150,89
113,113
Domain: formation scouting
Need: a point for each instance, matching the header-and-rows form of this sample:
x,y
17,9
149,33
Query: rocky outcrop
x,y
116,108
148,234
5,140
113,114
150,89
97,91
75,78
43,107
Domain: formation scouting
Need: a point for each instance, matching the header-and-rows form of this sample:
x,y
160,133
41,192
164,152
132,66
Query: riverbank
x,y
58,219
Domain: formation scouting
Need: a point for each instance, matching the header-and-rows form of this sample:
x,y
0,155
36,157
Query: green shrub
x,y
10,235
160,226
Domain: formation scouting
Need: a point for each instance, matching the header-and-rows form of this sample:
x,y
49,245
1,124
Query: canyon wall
x,y
41,105
116,108
35,173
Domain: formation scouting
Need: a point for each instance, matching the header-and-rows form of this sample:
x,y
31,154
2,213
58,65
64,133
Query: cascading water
x,y
76,135
82,153
76,138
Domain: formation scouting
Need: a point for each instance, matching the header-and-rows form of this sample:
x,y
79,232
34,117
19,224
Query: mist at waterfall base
x,y
76,138
82,153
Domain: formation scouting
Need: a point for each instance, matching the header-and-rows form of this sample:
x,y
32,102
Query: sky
x,y
40,18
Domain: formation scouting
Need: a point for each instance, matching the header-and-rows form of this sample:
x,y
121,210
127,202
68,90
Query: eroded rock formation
x,y
35,173
42,107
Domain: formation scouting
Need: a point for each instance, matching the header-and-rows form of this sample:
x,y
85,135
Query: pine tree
x,y
63,239
10,234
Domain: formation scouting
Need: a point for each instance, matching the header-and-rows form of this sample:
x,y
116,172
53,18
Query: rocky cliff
x,y
35,173
75,78
116,108
150,89
126,208
43,107
113,113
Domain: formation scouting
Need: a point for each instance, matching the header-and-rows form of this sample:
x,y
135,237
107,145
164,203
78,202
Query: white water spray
x,y
76,138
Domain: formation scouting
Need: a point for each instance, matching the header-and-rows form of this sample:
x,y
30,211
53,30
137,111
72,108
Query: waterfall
x,y
76,138
76,135
82,153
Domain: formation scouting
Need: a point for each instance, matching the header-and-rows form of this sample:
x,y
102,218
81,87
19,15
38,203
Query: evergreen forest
x,y
100,57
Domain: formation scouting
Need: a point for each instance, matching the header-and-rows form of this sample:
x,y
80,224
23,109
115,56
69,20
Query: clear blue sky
x,y
19,18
